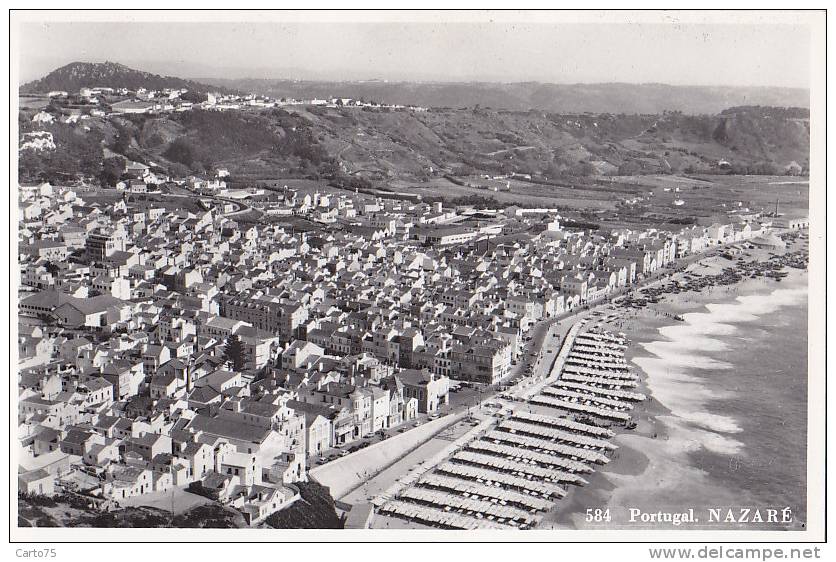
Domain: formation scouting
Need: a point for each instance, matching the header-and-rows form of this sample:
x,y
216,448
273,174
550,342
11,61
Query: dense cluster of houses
x,y
165,348
102,101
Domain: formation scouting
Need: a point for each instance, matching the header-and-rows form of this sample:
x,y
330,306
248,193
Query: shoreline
x,y
660,450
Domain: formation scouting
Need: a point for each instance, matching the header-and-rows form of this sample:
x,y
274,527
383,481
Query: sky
x,y
500,51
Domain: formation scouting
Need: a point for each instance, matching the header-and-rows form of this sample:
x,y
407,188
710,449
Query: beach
x,y
724,426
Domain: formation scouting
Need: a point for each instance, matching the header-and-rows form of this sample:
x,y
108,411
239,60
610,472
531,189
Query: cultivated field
x,y
522,193
705,198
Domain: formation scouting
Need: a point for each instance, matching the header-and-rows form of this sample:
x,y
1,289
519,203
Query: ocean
x,y
733,377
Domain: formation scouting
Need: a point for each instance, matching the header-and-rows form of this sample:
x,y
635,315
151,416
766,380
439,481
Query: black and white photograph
x,y
417,276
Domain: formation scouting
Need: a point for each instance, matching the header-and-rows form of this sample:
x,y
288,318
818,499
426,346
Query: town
x,y
91,101
179,336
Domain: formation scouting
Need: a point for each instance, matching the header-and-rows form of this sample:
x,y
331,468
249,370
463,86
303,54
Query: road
x,y
363,442
385,478
240,206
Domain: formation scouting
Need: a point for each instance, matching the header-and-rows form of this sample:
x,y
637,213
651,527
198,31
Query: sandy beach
x,y
725,422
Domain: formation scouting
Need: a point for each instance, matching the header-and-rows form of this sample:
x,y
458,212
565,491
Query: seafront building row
x,y
163,347
491,478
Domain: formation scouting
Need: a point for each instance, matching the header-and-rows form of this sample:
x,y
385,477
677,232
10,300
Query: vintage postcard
x,y
417,276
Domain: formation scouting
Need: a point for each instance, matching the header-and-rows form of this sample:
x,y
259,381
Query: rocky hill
x,y
76,75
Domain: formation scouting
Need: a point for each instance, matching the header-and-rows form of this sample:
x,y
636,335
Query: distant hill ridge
x,y
522,96
76,75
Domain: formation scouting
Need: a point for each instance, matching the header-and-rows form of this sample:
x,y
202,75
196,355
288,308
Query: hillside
x,y
76,75
562,98
270,142
71,510
553,145
386,147
314,510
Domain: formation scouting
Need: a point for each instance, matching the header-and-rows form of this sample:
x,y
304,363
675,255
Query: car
x,y
416,424
401,430
344,453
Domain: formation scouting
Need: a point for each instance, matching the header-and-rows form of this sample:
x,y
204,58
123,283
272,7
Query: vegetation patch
x,y
314,510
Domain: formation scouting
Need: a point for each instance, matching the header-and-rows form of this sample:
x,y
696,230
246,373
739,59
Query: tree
x,y
112,170
234,352
629,168
552,171
194,97
181,151
122,138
